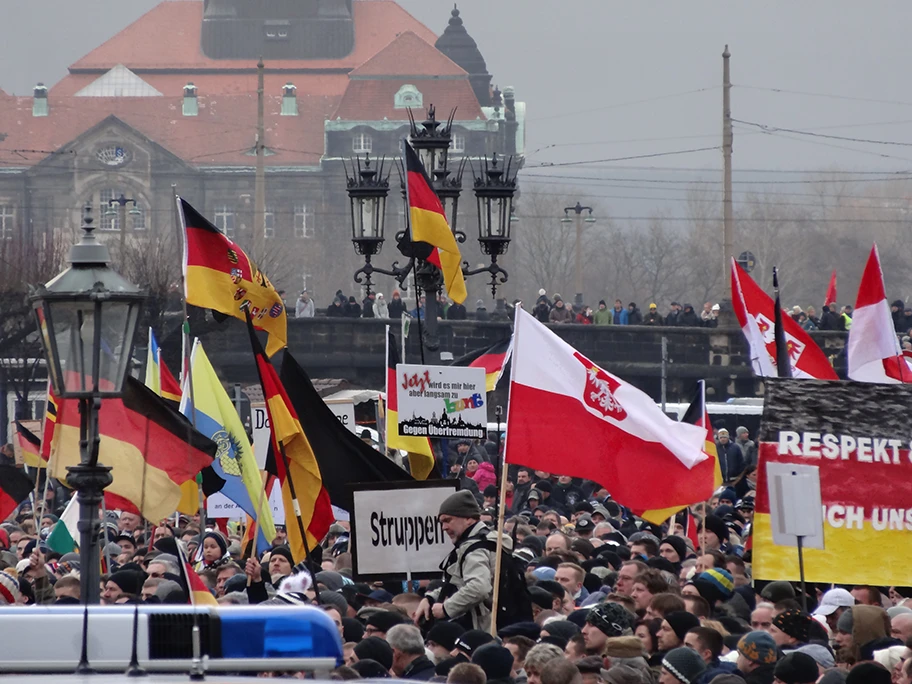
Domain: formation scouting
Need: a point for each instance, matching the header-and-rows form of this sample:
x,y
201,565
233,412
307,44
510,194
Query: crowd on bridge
x,y
589,592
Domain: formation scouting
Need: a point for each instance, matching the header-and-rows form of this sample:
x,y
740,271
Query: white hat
x,y
716,307
833,599
541,292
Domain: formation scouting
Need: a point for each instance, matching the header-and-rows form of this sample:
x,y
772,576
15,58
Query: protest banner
x,y
858,436
445,402
395,531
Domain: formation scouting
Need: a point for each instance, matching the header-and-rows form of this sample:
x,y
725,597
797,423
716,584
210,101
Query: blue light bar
x,y
255,632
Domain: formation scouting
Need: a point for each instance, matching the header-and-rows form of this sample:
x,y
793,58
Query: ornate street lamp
x,y
578,210
494,190
121,214
87,316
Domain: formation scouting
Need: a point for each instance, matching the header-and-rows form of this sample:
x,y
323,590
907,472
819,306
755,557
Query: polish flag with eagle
x,y
756,312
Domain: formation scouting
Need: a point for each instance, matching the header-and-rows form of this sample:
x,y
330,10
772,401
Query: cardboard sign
x,y
444,402
220,506
344,410
858,436
395,530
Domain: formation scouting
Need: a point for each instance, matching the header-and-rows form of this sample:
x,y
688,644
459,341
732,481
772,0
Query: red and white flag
x,y
756,314
830,299
874,354
569,416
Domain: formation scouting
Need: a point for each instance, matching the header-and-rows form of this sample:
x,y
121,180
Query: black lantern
x,y
367,191
87,316
431,142
494,192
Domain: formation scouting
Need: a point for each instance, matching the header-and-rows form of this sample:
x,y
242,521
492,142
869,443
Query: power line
x,y
776,129
638,156
826,95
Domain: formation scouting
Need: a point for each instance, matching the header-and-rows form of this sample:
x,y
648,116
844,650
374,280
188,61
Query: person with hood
x,y
862,630
688,318
380,307
602,315
484,475
653,317
481,312
336,309
396,306
367,305
542,309
456,312
584,317
619,314
560,313
352,309
215,551
634,317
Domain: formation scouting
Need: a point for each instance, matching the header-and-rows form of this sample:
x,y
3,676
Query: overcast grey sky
x,y
585,66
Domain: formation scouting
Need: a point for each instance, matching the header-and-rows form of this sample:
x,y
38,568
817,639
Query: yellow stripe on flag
x,y
658,516
421,458
432,228
189,503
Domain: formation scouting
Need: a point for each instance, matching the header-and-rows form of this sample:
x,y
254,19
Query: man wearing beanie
x,y
681,666
603,621
715,532
674,626
791,629
469,568
374,648
123,586
441,639
497,663
757,657
379,623
870,673
796,668
9,590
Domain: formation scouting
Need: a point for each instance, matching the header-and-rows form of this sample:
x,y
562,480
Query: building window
x,y
362,143
7,222
112,155
303,222
458,144
224,220
269,223
108,216
137,218
408,96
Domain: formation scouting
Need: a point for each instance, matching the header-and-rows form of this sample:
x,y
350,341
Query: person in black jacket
x,y
335,310
396,306
367,306
456,312
731,456
409,660
353,309
688,317
634,317
829,320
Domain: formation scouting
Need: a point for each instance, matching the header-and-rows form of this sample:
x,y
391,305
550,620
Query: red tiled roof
x,y
168,37
220,135
373,100
409,55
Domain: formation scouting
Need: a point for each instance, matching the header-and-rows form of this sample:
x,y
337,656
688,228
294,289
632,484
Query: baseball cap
x,y
584,524
833,599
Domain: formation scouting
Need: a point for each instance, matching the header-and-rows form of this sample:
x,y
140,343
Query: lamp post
x,y
494,189
578,209
121,213
87,316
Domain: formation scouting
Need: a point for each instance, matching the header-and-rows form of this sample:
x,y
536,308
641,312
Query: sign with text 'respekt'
x,y
858,436
395,530
444,402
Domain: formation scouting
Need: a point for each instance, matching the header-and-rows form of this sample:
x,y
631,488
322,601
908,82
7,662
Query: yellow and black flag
x,y
219,275
428,224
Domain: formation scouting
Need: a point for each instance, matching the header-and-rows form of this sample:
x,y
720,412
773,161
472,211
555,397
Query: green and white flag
x,y
62,538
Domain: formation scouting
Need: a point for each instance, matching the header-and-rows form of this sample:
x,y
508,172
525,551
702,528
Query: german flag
x,y
30,445
493,359
197,592
421,456
706,476
158,378
218,275
428,224
293,462
50,422
15,487
151,448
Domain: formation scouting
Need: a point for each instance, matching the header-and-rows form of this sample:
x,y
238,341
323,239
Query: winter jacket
x,y
381,308
634,317
653,318
304,309
688,317
829,321
560,314
762,675
868,623
421,669
583,319
481,314
620,317
456,312
469,578
672,317
353,310
846,322
713,670
335,311
367,307
484,476
396,308
542,311
749,449
603,317
731,460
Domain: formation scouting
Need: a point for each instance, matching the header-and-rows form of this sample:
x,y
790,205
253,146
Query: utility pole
x,y
578,209
259,192
727,213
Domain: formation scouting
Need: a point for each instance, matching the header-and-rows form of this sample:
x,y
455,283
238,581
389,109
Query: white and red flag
x,y
756,314
569,416
874,354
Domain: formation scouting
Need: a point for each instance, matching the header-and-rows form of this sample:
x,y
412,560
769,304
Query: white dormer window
x,y
362,143
408,96
458,143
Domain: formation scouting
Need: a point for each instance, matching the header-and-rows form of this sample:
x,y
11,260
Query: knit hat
x,y
684,664
624,647
334,599
846,622
445,634
758,647
369,668
715,584
728,494
375,648
590,664
471,640
682,622
219,539
284,552
462,504
821,654
331,580
9,589
797,668
678,544
778,591
563,629
612,619
717,526
384,620
129,581
795,623
868,673
495,660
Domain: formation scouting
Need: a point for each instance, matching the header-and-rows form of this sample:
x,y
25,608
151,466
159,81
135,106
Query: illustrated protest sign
x,y
446,402
858,435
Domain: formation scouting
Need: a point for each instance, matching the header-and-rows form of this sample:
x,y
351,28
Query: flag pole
x,y
386,387
495,600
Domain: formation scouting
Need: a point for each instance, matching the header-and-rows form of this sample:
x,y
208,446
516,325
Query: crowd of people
x,y
589,593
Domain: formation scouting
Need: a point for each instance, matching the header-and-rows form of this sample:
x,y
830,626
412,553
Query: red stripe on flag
x,y
421,195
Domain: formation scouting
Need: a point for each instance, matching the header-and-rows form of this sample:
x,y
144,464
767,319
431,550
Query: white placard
x,y
444,402
220,506
395,529
795,504
259,420
344,410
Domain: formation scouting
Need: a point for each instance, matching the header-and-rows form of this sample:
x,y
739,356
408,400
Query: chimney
x,y
509,96
191,105
40,103
289,100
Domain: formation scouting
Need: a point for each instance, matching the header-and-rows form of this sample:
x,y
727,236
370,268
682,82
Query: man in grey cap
x,y
468,570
